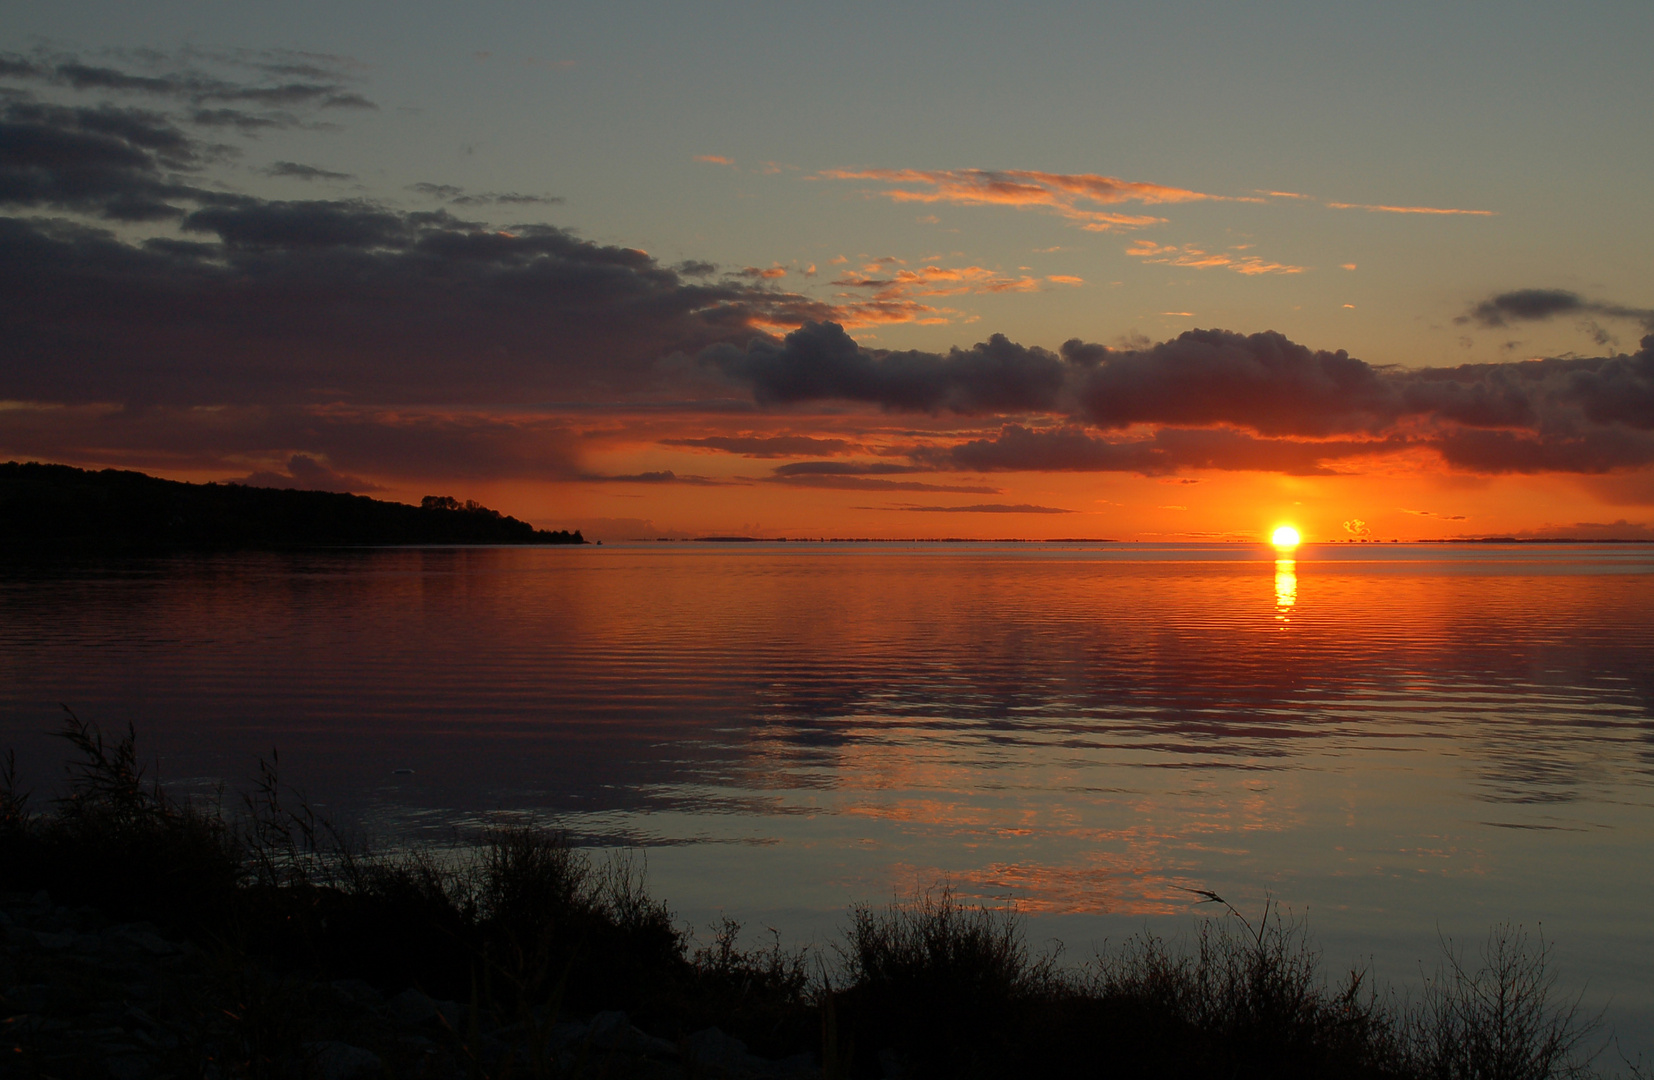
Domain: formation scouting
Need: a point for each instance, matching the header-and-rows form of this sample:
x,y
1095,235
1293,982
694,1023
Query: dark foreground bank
x,y
56,508
149,937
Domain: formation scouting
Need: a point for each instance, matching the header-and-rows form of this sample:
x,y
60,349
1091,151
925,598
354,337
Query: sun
x,y
1285,537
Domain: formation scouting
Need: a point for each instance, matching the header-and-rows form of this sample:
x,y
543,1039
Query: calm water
x,y
1404,740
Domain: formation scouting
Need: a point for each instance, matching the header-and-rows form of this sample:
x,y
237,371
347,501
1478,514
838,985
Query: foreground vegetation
x,y
294,945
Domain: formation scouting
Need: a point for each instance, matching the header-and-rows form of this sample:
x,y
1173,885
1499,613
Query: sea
x,y
1403,746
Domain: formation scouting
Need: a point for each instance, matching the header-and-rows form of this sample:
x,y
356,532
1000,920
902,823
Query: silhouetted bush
x,y
525,927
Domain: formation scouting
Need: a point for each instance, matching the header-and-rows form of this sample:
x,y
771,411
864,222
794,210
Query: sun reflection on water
x,y
1286,587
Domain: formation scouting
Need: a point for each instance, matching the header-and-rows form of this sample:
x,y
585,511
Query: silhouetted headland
x,y
60,508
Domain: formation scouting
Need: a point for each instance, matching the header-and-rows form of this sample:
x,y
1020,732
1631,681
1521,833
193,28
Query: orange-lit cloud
x,y
1190,256
714,159
1072,195
1380,209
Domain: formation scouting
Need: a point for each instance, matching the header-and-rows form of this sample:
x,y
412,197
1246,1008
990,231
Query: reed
x,y
527,928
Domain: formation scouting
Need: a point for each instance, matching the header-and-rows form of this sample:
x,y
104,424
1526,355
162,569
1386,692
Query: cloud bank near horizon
x,y
153,314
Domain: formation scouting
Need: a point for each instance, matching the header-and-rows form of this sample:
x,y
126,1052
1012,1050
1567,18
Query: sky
x,y
1144,272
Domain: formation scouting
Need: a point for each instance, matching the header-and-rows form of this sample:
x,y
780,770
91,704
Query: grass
x,y
525,928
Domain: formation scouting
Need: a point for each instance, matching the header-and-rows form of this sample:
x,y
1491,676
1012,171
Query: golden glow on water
x,y
1286,587
1285,536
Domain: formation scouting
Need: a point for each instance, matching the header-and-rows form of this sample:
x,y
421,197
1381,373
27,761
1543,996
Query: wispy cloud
x,y
1075,196
987,508
1199,259
1382,209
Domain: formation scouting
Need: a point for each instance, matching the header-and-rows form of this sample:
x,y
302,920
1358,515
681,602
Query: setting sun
x,y
1285,537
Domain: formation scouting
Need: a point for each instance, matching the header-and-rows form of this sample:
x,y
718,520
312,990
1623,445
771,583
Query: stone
x,y
566,1033
342,1061
413,1008
128,1066
710,1048
48,940
359,990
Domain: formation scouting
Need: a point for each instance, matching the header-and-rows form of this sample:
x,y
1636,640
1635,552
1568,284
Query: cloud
x,y
355,443
114,163
1591,530
1074,196
665,476
305,172
1577,414
308,474
1537,305
714,159
1378,209
988,508
382,341
859,482
766,446
819,361
1169,450
318,82
347,300
1190,256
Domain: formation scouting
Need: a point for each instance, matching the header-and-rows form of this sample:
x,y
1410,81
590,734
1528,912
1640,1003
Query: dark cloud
x,y
1592,530
315,87
988,508
346,300
1263,381
298,305
307,474
1539,304
767,446
437,191
354,442
347,223
506,198
845,468
860,482
1534,305
819,361
1510,452
455,195
296,171
245,122
1017,448
249,91
109,162
666,476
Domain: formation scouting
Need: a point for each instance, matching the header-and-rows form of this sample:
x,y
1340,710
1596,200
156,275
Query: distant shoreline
x,y
59,509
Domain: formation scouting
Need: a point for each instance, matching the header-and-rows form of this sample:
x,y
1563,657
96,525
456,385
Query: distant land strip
x,y
51,509
1538,540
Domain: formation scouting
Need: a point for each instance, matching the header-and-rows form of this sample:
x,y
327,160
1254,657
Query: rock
x,y
128,1066
454,1015
804,1064
42,900
342,1061
608,1029
710,1048
359,991
48,940
566,1033
612,1031
148,940
413,1008
892,1066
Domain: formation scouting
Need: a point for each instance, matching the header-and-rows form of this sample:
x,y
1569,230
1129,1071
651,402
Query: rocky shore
x,y
81,996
